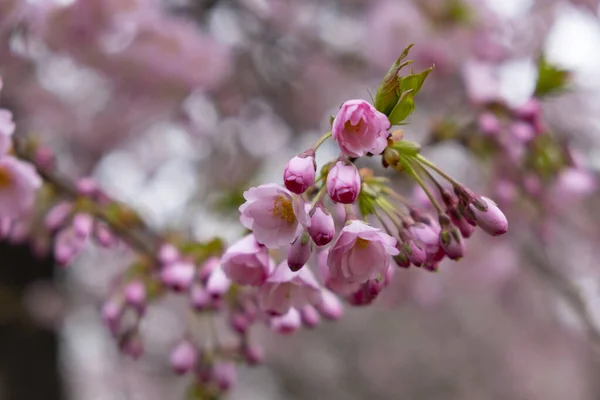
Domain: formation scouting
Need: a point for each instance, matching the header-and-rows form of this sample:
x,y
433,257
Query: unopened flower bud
x,y
112,311
492,221
415,252
322,226
253,354
83,225
489,124
218,283
401,258
330,307
343,183
57,215
183,357
207,269
178,275
168,254
131,344
86,186
239,322
299,173
452,243
224,375
104,236
299,252
200,299
135,295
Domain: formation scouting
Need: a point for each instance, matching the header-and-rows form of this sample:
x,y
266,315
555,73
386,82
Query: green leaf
x,y
551,78
387,94
365,203
407,148
404,107
414,81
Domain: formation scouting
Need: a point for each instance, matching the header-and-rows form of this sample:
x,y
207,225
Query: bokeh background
x,y
177,106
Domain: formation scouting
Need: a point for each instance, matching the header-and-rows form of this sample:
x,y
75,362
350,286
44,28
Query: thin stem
x,y
389,210
391,192
383,223
432,199
319,196
321,140
437,169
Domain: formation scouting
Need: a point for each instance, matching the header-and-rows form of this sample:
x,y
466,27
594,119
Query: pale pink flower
x,y
273,214
7,128
322,226
247,262
343,183
360,253
178,275
285,289
492,221
359,128
336,285
18,184
299,173
428,235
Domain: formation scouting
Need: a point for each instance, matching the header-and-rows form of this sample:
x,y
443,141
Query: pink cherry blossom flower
x,y
285,289
273,214
360,253
7,128
336,285
18,184
359,128
178,275
299,173
247,262
343,183
492,221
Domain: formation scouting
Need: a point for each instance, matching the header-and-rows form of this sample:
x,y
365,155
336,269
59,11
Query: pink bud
x,y
428,235
66,246
104,236
415,252
83,224
200,299
86,186
57,215
224,375
322,226
299,173
218,283
522,131
287,323
5,227
131,345
239,322
299,252
492,221
343,183
310,316
207,269
44,157
178,275
452,243
135,295
330,307
183,357
112,311
253,354
168,254
367,292
489,124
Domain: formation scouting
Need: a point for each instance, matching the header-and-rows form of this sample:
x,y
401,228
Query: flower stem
x,y
414,174
437,169
321,140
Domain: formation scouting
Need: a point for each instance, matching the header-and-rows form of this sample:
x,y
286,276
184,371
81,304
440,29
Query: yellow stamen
x,y
282,208
362,243
352,129
6,179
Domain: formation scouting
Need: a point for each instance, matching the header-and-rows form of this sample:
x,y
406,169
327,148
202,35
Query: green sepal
x,y
551,78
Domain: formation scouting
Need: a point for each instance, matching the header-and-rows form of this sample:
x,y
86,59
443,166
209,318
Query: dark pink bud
x,y
343,183
466,229
401,258
299,252
104,236
310,316
131,345
135,295
224,375
239,322
452,243
44,157
415,252
183,357
299,173
322,226
492,221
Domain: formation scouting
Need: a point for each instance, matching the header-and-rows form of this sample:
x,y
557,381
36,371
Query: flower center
x,y
362,243
6,179
282,208
354,129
